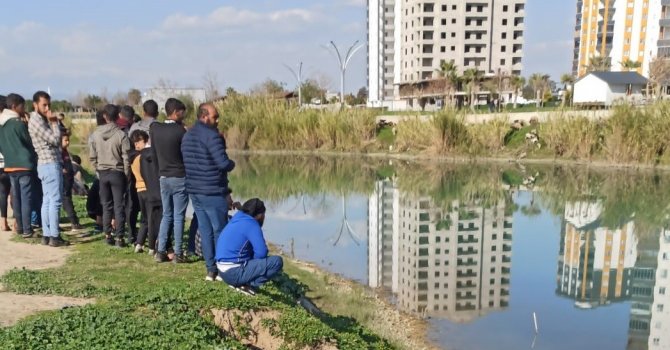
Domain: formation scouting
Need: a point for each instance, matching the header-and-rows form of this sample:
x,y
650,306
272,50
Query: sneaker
x,y
45,240
58,242
139,248
109,239
179,259
213,276
120,243
27,235
77,227
161,257
248,290
152,252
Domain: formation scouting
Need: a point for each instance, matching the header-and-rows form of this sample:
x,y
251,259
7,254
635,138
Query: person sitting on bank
x,y
241,252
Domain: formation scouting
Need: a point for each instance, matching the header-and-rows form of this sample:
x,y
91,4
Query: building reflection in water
x,y
598,265
451,261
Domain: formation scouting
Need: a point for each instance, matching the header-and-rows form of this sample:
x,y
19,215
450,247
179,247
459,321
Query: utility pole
x,y
343,62
298,77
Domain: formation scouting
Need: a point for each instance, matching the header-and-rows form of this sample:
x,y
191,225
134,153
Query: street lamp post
x,y
298,77
344,62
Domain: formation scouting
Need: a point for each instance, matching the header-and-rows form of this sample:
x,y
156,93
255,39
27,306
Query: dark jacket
x,y
166,141
205,160
149,171
15,143
241,240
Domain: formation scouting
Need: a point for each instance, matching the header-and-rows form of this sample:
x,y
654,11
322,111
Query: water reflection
x,y
479,249
452,262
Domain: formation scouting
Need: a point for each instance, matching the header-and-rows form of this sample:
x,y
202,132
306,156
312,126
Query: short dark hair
x,y
253,207
139,135
172,105
150,108
127,112
202,111
14,100
100,118
64,132
41,94
111,112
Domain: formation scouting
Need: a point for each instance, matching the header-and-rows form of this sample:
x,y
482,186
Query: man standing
x,y
241,252
20,161
45,134
166,141
108,151
150,108
207,166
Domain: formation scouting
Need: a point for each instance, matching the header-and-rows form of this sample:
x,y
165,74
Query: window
x,y
503,48
503,35
661,290
444,21
453,35
453,7
443,49
453,21
504,8
504,22
444,8
443,35
453,48
659,307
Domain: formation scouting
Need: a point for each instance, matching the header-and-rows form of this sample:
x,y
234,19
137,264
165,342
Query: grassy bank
x,y
142,304
631,135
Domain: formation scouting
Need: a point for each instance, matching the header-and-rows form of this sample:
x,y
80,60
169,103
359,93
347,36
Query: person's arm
x,y
93,153
125,149
257,241
49,133
154,155
217,149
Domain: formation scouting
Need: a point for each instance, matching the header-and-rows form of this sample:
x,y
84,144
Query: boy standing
x,y
68,182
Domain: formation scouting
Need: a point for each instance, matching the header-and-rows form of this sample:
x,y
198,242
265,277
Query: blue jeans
x,y
212,214
51,176
22,187
175,201
254,272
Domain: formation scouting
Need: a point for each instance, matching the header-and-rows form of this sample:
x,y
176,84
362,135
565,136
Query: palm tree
x,y
567,80
517,82
629,65
449,72
599,64
471,78
539,82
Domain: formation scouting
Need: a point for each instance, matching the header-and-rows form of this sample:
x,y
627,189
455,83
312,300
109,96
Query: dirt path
x,y
14,307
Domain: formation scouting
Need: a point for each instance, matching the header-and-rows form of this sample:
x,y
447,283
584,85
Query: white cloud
x,y
227,16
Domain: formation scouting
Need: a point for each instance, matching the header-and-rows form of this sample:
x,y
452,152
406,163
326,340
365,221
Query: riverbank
x,y
131,289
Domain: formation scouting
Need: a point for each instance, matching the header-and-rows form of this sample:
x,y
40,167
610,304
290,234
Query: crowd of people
x,y
146,172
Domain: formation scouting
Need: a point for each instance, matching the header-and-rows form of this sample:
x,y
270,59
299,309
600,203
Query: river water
x,y
493,256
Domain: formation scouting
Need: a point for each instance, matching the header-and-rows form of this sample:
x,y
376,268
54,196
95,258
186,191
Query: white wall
x,y
590,89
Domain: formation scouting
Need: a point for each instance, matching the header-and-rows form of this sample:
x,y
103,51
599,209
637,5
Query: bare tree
x,y
164,83
134,97
210,81
324,83
659,75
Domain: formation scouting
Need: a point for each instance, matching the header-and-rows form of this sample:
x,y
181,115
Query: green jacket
x,y
15,143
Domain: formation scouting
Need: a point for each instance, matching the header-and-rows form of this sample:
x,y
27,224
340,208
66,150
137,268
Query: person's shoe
x,y
110,239
152,252
179,259
248,290
77,227
58,242
45,240
27,235
213,276
121,243
161,257
139,248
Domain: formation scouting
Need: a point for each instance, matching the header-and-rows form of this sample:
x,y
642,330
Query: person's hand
x,y
237,205
52,117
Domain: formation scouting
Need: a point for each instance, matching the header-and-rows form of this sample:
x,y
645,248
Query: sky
x,y
103,47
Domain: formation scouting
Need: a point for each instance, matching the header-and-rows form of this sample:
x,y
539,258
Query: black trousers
x,y
132,211
113,199
152,213
68,205
5,188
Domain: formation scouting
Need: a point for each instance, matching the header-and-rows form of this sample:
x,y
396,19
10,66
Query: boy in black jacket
x,y
145,170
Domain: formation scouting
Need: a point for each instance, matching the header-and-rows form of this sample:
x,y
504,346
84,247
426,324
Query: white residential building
x,y
407,41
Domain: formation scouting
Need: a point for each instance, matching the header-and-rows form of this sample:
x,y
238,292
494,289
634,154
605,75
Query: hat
x,y
253,207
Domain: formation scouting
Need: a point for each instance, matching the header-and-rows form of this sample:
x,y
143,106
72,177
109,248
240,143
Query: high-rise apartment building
x,y
621,31
408,39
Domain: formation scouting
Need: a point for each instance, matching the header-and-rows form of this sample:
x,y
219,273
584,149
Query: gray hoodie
x,y
108,149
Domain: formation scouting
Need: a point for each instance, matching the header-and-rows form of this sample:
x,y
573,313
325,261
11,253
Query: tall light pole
x,y
298,77
343,62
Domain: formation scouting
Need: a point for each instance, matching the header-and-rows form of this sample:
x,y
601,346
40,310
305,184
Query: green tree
x,y
449,73
567,80
629,65
230,91
362,96
269,87
94,102
599,64
61,106
472,78
134,97
517,83
311,91
540,84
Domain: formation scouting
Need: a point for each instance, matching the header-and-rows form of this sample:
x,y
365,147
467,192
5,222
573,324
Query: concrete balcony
x,y
665,22
664,42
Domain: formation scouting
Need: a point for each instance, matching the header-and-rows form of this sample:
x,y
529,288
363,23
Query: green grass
x,y
143,304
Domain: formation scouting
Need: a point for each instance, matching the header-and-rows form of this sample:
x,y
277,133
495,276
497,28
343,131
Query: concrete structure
x,y
659,330
595,262
608,88
161,95
620,30
407,41
451,262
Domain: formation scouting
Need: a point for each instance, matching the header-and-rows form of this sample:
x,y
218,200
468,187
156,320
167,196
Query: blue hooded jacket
x,y
205,161
241,240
